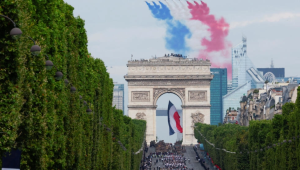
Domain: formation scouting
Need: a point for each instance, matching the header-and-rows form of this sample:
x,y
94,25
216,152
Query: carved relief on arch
x,y
140,96
178,91
197,118
140,116
197,95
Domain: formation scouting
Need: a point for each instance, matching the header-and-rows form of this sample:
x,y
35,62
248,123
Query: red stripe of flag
x,y
177,120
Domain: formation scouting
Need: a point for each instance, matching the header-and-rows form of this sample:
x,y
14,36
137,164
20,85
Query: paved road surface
x,y
190,154
207,160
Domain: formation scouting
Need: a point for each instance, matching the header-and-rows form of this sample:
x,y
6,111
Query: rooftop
x,y
169,60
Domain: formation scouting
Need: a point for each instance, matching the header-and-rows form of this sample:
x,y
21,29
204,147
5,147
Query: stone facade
x,y
188,79
262,104
140,96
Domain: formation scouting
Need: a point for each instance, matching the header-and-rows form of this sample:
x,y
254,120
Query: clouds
x,y
271,18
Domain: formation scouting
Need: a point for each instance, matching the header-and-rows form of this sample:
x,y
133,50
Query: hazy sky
x,y
117,29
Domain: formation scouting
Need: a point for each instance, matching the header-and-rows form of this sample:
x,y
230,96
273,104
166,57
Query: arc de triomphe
x,y
188,79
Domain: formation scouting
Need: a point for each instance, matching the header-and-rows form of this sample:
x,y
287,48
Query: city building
x,y
245,76
278,72
118,96
229,86
188,78
218,88
263,104
288,79
243,69
232,116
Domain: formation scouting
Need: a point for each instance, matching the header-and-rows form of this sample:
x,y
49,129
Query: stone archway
x,y
157,92
188,79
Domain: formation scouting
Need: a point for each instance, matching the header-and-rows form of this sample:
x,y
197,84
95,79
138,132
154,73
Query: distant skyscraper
x,y
218,88
243,69
278,72
244,76
118,96
229,86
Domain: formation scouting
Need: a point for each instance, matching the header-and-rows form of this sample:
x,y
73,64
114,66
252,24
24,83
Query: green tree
x,y
40,115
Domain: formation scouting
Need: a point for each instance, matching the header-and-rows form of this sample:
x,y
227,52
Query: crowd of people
x,y
170,161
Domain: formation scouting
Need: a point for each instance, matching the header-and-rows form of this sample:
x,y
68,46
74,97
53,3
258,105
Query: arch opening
x,y
162,126
168,92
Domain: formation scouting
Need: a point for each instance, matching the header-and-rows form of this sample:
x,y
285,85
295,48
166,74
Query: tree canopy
x,y
39,115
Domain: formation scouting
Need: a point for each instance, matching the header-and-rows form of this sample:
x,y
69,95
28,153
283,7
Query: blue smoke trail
x,y
160,12
176,31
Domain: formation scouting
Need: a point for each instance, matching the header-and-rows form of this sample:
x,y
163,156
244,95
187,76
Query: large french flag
x,y
173,120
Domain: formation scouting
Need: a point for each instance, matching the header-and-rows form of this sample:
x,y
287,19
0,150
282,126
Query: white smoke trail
x,y
186,12
198,30
179,10
174,13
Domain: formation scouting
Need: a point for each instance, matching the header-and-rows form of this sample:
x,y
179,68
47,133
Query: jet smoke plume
x,y
219,30
176,31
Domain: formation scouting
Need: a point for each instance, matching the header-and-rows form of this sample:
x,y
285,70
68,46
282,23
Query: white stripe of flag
x,y
173,120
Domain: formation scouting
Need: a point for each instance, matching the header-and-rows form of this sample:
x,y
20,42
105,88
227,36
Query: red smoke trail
x,y
218,32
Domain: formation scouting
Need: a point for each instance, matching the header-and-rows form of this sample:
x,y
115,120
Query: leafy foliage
x,y
39,115
254,145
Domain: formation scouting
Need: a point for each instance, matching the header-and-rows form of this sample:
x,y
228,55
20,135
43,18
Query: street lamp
x,y
58,75
89,111
35,49
73,89
48,64
15,32
66,82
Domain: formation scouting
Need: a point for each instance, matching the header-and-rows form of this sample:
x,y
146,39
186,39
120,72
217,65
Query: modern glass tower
x,y
245,76
218,88
118,96
243,69
233,98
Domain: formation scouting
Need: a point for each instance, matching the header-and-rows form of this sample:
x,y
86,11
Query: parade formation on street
x,y
168,156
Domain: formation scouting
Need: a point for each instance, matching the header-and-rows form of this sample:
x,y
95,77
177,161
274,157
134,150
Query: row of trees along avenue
x,y
39,115
267,144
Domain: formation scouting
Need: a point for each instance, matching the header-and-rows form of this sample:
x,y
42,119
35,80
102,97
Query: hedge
x,y
38,114
266,144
